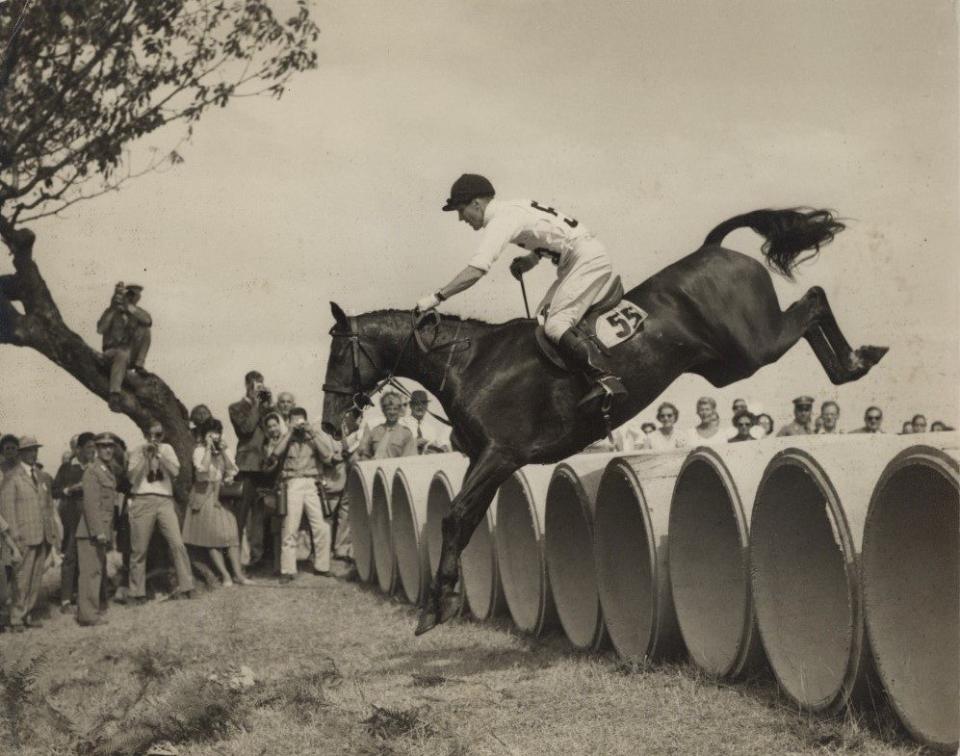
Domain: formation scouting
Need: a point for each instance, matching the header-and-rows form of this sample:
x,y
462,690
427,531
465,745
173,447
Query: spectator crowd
x,y
639,434
278,499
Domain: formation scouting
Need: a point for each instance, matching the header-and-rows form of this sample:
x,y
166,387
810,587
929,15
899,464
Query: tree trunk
x,y
40,326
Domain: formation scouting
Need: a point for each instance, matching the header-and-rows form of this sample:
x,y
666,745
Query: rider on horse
x,y
584,272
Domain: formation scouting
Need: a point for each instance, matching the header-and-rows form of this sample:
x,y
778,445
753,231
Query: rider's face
x,y
472,214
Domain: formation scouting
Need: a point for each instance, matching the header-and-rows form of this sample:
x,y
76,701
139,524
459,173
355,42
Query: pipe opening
x,y
479,571
519,553
625,561
708,572
569,553
360,535
804,598
439,497
384,559
405,544
912,594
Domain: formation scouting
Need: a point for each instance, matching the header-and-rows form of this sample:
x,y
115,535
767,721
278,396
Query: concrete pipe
x,y
480,570
806,533
519,542
630,547
358,484
911,587
408,519
569,547
384,556
444,486
709,555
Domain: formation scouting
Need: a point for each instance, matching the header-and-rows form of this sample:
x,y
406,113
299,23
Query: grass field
x,y
336,670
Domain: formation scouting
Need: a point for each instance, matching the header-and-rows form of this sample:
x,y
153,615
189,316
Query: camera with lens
x,y
154,476
264,396
299,432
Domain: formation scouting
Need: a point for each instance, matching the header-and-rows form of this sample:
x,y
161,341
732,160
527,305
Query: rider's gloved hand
x,y
521,265
426,303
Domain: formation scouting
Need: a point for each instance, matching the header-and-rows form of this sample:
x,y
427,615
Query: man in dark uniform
x,y
95,530
802,414
68,487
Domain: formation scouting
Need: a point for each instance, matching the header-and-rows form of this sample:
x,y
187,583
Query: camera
x,y
299,432
153,477
264,396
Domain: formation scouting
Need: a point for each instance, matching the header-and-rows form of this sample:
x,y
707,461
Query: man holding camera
x,y
126,336
301,455
246,417
153,468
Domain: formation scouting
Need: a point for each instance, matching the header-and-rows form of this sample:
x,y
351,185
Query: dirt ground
x,y
327,666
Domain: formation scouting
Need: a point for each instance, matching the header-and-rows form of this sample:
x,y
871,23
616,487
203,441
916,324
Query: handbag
x,y
275,501
232,490
203,491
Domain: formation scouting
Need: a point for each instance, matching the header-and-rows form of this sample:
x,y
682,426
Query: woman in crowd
x,y
763,425
666,436
198,416
744,422
209,524
708,431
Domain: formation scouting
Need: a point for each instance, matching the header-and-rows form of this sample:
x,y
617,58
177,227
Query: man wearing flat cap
x,y
95,530
26,504
125,328
802,424
431,438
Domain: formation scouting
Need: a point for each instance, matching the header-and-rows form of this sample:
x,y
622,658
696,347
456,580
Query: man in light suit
x,y
95,530
26,505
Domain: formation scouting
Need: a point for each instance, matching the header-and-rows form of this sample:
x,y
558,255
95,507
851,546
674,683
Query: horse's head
x,y
352,370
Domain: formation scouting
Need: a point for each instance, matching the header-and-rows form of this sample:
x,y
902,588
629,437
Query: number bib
x,y
619,324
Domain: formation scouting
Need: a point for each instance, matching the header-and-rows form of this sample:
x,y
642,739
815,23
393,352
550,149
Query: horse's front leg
x,y
467,509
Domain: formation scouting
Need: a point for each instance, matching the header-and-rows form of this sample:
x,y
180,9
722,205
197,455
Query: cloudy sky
x,y
650,122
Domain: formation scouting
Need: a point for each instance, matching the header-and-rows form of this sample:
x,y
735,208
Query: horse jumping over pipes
x,y
713,313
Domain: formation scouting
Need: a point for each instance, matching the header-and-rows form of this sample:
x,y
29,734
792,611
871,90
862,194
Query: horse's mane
x,y
450,318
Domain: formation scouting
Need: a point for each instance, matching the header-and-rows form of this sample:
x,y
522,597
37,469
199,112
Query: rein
x,y
362,398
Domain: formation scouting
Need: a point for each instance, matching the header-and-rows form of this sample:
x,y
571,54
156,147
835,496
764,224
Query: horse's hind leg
x,y
841,363
466,510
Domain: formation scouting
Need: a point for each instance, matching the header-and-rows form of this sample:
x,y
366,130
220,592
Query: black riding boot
x,y
583,353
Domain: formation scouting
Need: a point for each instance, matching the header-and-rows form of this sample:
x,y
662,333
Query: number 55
x,y
618,321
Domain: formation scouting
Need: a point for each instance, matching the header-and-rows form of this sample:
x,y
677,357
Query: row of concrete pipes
x,y
834,560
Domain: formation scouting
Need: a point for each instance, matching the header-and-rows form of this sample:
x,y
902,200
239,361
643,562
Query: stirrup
x,y
606,388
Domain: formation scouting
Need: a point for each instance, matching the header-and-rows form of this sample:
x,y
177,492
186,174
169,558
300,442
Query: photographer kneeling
x,y
300,456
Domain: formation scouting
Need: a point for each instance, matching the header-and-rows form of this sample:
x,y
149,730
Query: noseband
x,y
361,398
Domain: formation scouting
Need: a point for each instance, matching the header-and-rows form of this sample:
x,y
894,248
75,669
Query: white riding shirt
x,y
532,226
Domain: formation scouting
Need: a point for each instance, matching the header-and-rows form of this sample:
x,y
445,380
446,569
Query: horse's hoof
x,y
426,622
871,355
862,360
450,606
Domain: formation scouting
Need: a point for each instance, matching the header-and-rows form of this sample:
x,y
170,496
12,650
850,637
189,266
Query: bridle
x,y
360,398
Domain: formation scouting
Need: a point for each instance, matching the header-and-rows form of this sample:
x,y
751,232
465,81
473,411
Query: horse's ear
x,y
338,314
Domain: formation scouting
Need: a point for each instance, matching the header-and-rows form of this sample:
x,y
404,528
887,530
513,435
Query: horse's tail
x,y
787,232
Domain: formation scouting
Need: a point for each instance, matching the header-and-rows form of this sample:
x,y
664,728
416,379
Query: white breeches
x,y
583,278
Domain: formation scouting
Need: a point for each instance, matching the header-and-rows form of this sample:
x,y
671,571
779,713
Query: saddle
x,y
610,321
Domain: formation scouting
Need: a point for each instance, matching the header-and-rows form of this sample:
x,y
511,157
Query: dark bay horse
x,y
713,313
